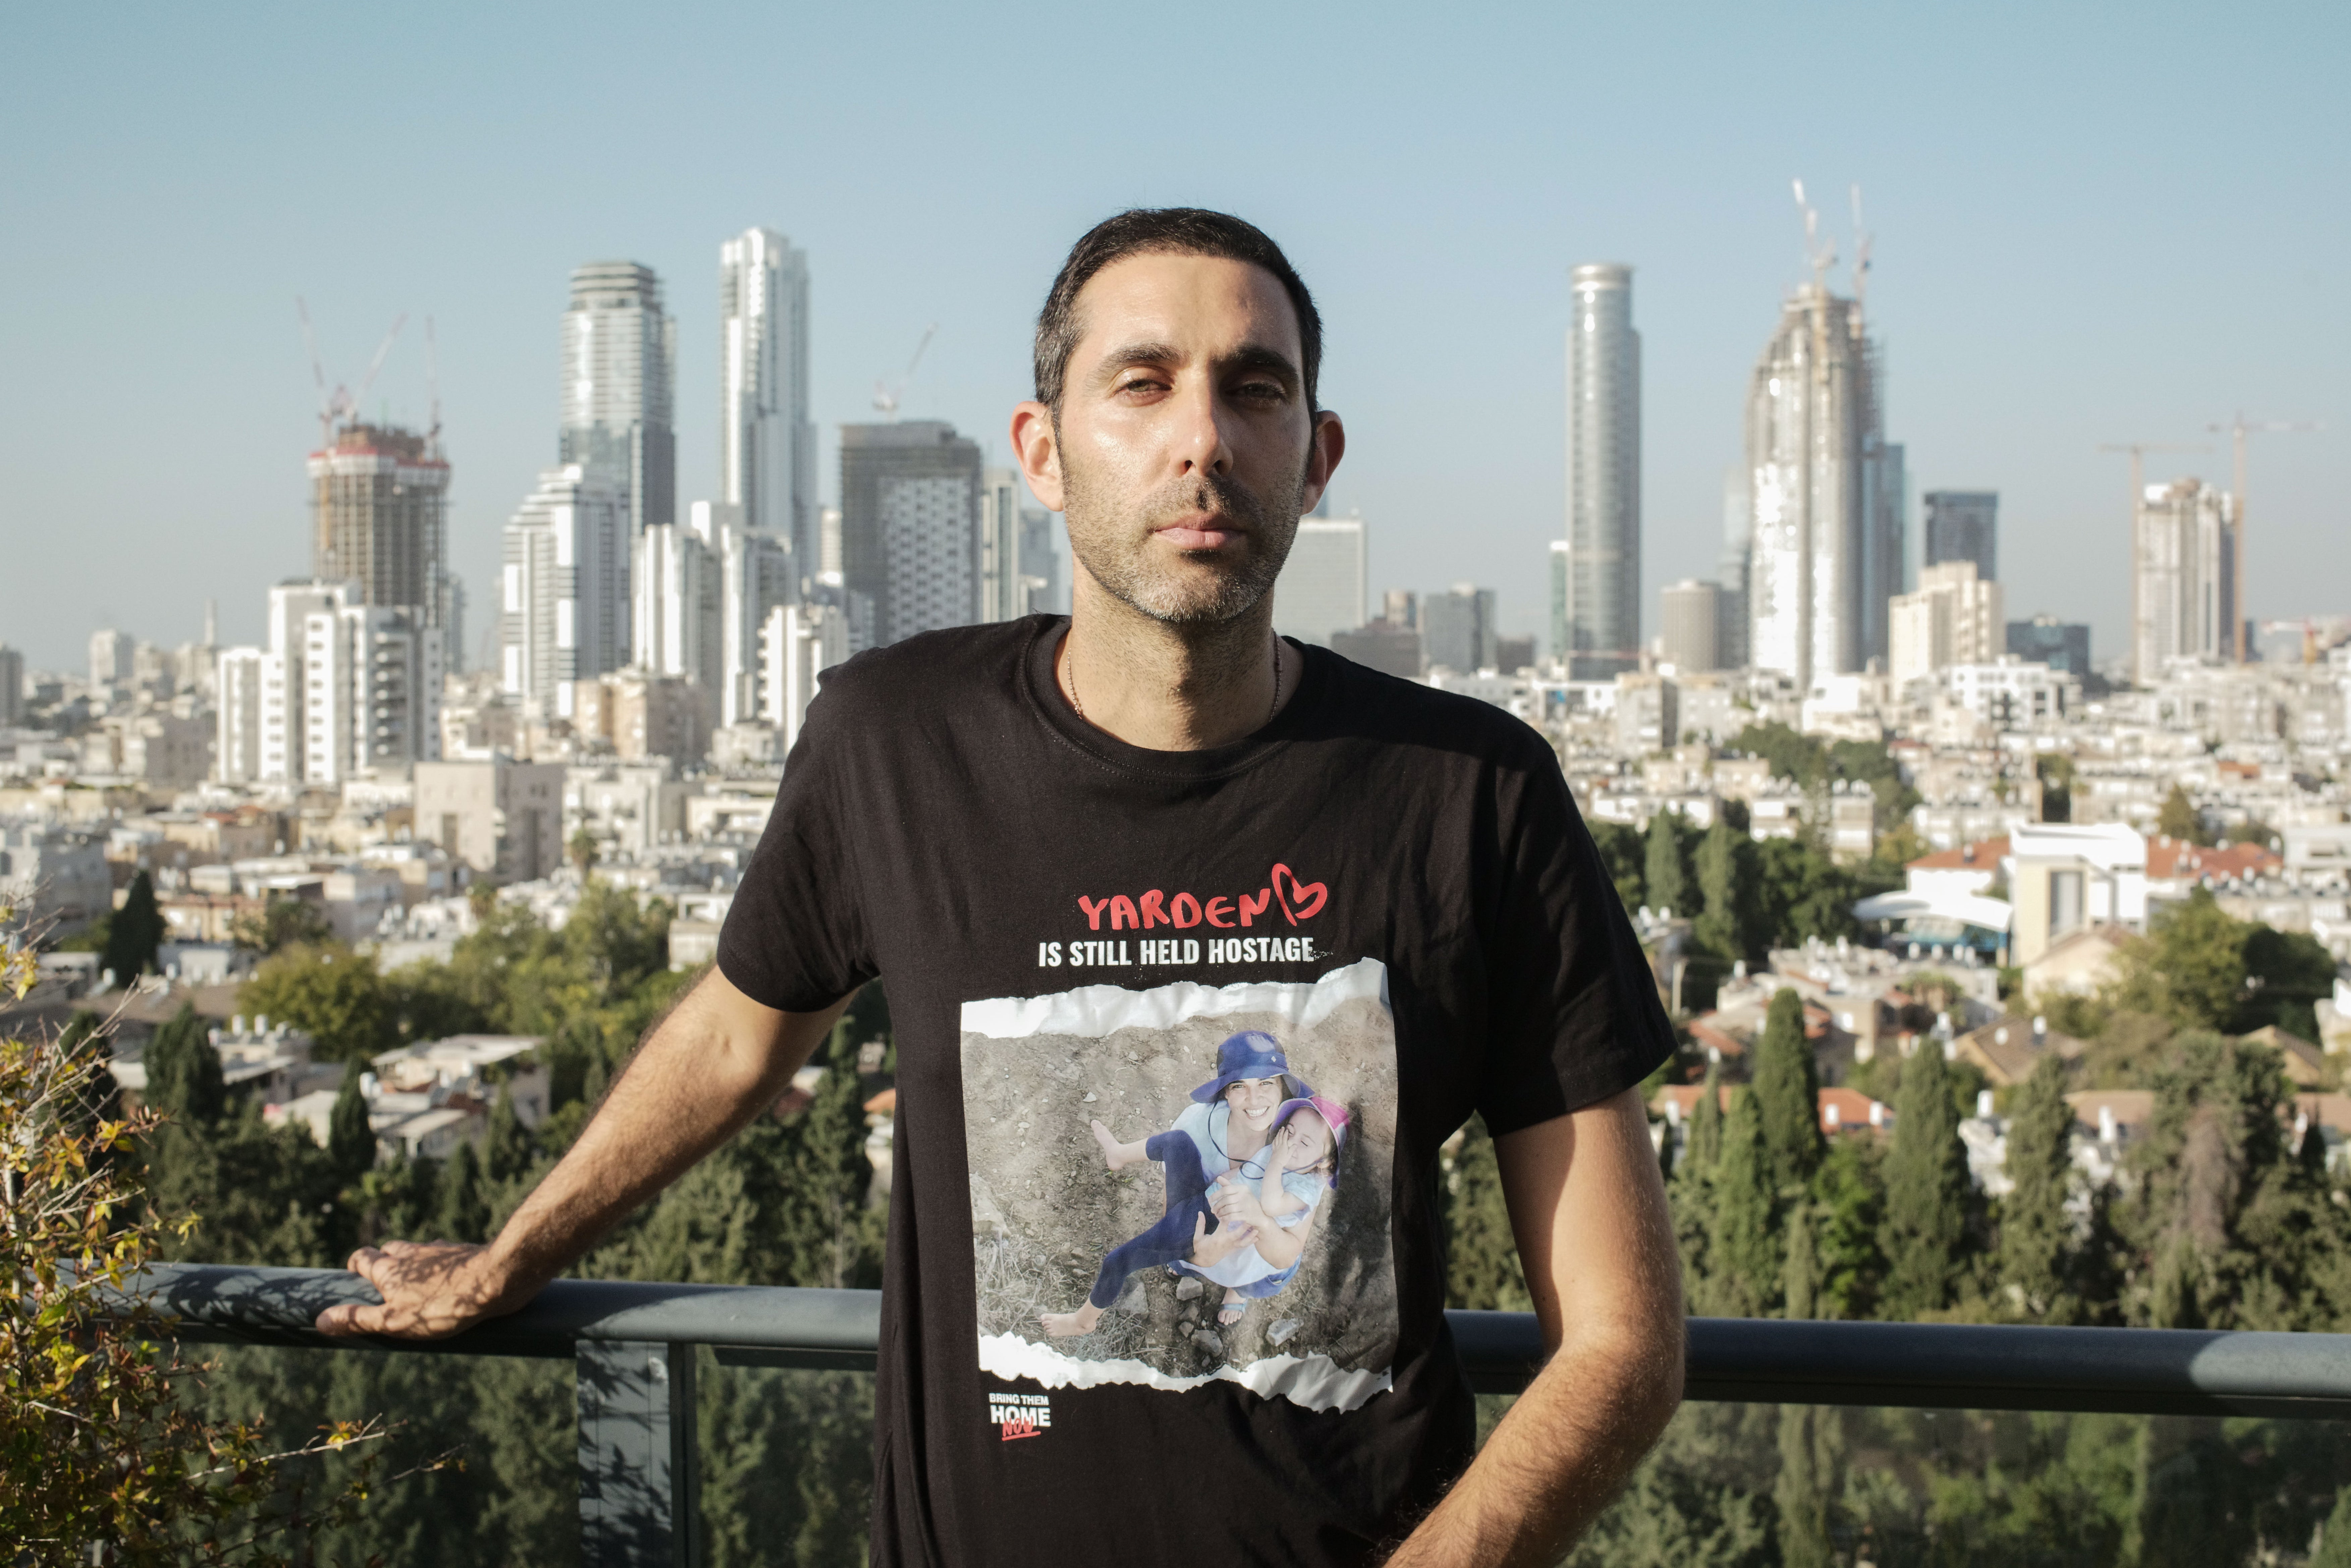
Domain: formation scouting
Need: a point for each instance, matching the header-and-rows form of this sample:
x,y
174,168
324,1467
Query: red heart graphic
x,y
1300,893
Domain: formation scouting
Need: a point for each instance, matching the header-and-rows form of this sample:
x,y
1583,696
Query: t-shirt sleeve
x,y
795,937
1573,1010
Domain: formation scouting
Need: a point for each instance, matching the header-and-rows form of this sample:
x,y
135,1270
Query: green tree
x,y
1481,1256
1795,756
1849,1193
507,1146
2056,771
282,923
1626,854
1804,893
463,1214
1744,1250
2286,973
1926,1225
1787,1094
2036,1233
2190,969
135,932
2177,818
1665,867
581,847
184,1071
1729,925
333,993
1690,1190
351,1141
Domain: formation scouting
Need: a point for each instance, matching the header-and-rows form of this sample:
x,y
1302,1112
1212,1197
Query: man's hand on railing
x,y
430,1289
718,1060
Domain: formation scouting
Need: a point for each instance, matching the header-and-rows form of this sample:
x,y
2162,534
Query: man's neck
x,y
1170,688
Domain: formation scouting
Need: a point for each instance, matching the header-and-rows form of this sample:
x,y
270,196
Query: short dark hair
x,y
1182,230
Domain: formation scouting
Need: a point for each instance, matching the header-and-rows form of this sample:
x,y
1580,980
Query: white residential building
x,y
2011,694
798,643
1954,618
755,574
344,688
565,607
1324,584
676,597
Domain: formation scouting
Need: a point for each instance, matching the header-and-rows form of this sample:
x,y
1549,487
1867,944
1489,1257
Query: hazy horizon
x,y
2101,226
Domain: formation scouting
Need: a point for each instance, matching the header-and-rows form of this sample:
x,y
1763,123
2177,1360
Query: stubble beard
x,y
1111,538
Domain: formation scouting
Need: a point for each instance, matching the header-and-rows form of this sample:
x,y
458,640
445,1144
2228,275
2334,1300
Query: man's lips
x,y
1198,533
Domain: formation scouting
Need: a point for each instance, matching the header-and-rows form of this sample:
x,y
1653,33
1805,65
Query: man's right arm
x,y
716,1061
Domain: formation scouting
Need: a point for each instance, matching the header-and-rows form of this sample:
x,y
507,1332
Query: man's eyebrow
x,y
1248,357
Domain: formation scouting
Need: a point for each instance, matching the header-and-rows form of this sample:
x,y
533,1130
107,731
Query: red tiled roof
x,y
1984,856
2168,858
1853,1112
883,1104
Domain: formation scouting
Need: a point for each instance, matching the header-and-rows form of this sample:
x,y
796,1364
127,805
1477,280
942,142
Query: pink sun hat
x,y
1334,1114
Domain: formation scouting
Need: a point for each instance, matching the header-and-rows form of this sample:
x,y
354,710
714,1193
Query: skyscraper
x,y
1823,495
767,437
1692,624
1731,640
110,655
1003,581
2181,603
909,529
1457,628
1603,561
1041,564
564,611
756,573
1964,525
620,371
12,686
1324,583
379,509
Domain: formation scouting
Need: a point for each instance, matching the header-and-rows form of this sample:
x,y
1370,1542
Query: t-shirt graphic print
x,y
1187,1184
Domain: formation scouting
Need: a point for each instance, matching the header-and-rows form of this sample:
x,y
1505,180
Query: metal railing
x,y
633,1344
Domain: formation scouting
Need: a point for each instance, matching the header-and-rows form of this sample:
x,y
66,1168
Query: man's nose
x,y
1200,434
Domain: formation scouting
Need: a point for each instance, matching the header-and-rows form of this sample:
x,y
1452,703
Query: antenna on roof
x,y
1861,239
1819,254
432,389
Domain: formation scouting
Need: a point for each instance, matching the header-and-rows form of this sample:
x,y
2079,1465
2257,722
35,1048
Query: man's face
x,y
1184,437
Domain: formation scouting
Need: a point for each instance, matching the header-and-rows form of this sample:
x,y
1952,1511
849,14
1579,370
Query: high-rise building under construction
x,y
379,512
620,372
1824,494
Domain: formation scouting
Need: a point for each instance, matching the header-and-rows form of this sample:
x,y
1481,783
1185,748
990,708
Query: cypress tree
x,y
507,1148
1926,1190
135,932
1668,880
1744,1250
1690,1193
462,1214
1726,927
1787,1091
184,1071
2036,1234
351,1141
1481,1256
1800,1276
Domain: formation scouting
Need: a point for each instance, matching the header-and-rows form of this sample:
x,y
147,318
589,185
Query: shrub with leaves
x,y
101,1459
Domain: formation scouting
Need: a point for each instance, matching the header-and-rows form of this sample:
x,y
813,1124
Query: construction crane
x,y
2138,450
2238,429
1819,254
1861,239
341,406
886,394
432,389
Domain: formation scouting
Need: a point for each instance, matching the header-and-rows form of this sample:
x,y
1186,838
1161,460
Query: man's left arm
x,y
1588,1207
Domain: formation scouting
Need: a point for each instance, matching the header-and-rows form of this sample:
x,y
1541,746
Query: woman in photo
x,y
1241,1199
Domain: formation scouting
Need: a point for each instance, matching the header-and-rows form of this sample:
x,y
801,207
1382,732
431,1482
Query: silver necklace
x,y
1070,678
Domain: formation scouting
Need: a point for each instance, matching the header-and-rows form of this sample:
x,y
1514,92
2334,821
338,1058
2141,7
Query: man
x,y
1220,831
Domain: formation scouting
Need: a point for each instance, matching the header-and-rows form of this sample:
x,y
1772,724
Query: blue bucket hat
x,y
1252,1053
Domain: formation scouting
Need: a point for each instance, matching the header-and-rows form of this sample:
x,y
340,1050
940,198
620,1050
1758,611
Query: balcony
x,y
638,1359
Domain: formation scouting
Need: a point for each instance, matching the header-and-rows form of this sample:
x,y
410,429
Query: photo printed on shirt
x,y
1187,1184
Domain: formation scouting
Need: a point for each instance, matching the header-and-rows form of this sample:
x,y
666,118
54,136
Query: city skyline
x,y
1445,303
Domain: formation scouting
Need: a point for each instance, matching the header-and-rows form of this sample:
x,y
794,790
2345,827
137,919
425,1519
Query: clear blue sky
x,y
2094,223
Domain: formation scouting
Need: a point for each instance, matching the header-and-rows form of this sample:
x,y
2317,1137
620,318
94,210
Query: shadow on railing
x,y
632,1346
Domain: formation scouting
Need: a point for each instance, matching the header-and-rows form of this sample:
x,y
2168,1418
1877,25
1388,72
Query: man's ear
x,y
1328,444
1040,450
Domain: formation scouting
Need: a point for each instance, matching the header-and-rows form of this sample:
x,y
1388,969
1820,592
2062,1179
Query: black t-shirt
x,y
1278,975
